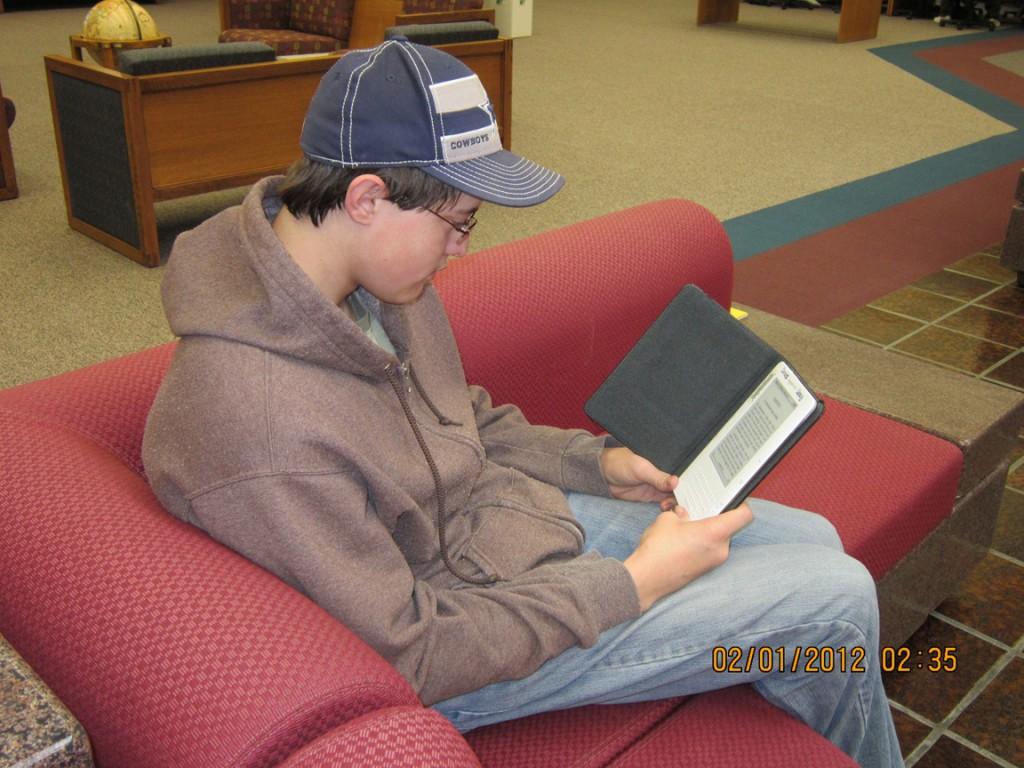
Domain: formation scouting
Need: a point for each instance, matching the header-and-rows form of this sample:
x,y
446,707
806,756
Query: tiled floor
x,y
969,317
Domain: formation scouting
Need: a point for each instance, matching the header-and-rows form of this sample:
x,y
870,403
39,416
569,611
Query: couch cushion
x,y
585,737
748,731
149,61
913,481
733,728
285,42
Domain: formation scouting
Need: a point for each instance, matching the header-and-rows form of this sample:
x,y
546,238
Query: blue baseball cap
x,y
403,104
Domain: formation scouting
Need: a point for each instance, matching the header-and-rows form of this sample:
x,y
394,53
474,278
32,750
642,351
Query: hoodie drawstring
x,y
443,420
439,492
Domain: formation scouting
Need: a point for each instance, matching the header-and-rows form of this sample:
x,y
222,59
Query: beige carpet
x,y
1012,62
631,101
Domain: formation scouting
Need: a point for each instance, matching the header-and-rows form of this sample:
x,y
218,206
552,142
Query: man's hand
x,y
634,478
674,550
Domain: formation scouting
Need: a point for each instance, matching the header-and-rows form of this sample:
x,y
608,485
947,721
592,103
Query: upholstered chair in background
x,y
372,18
321,26
288,26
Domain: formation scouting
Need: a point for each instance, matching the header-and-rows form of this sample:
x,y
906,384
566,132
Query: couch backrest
x,y
592,276
330,18
106,403
540,322
247,14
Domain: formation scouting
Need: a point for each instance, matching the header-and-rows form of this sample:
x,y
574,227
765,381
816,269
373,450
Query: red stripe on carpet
x,y
829,274
967,62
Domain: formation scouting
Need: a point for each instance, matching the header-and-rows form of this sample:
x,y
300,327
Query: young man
x,y
316,419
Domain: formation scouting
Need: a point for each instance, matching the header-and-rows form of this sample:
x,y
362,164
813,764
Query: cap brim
x,y
501,177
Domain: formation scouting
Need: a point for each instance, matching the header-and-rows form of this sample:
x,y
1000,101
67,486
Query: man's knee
x,y
825,533
778,523
854,596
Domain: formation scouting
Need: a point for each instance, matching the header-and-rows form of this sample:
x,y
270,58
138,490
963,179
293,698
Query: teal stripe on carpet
x,y
905,57
773,227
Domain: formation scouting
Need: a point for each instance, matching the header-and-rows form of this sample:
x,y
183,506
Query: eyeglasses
x,y
463,229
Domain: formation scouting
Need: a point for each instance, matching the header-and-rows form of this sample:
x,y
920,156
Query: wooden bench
x,y
858,19
126,142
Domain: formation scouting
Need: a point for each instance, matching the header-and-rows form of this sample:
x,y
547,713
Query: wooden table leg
x,y
716,11
8,182
858,20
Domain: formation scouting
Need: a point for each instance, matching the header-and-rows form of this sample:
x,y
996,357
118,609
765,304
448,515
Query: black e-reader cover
x,y
700,388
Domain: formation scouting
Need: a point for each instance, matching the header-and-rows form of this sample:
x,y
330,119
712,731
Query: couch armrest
x,y
170,649
577,299
155,61
397,737
983,419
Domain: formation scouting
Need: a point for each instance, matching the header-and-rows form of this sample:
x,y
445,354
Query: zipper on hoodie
x,y
403,371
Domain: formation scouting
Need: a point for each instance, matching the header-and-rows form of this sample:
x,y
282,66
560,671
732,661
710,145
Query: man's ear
x,y
364,195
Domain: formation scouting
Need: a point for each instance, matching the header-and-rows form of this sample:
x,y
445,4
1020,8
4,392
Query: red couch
x,y
172,650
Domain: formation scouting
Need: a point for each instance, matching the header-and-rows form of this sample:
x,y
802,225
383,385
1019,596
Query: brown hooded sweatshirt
x,y
280,430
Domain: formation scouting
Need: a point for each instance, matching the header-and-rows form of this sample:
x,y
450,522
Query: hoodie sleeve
x,y
319,533
566,458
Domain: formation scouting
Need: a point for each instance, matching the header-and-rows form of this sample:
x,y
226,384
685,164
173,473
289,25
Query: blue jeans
x,y
786,585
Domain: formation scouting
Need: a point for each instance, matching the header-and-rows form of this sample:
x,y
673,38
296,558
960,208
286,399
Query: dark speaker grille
x,y
99,175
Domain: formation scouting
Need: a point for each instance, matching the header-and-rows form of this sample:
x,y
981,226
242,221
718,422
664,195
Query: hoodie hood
x,y
231,278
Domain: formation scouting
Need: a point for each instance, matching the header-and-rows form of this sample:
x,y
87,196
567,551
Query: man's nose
x,y
460,248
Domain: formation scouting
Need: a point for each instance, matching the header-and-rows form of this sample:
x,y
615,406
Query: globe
x,y
118,20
